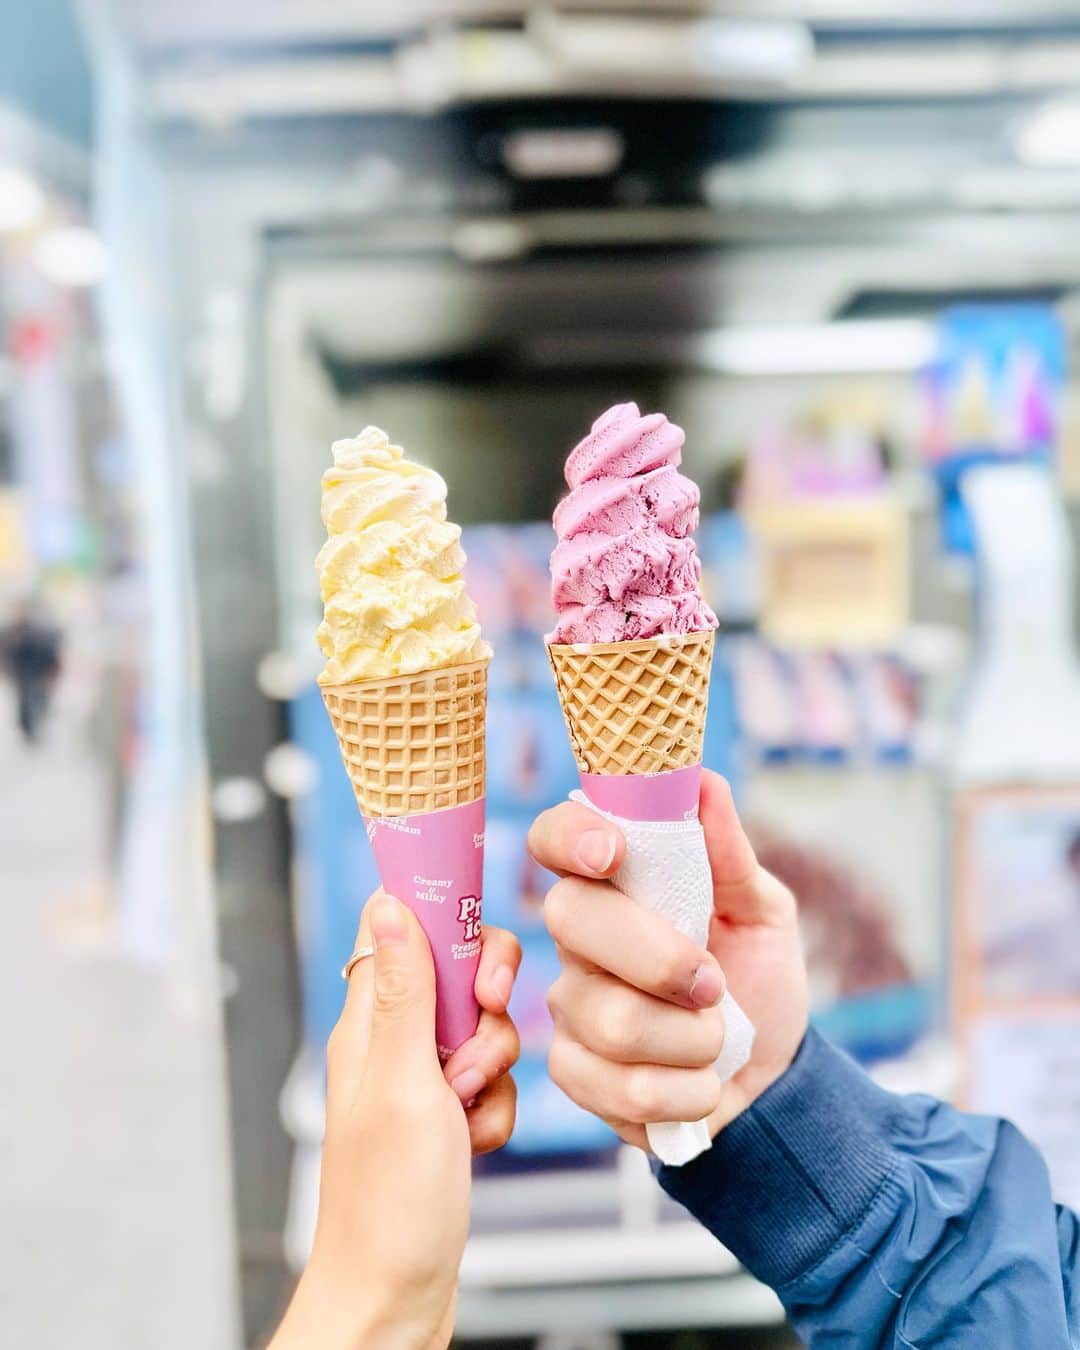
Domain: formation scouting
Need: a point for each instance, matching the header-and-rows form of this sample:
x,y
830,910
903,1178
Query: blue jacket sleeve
x,y
885,1221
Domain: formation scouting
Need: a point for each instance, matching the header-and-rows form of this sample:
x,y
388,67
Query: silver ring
x,y
361,954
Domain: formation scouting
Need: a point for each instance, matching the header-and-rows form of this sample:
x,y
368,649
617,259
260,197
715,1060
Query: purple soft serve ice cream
x,y
625,565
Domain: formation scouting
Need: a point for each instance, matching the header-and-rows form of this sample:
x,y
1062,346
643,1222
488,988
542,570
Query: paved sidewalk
x,y
114,1192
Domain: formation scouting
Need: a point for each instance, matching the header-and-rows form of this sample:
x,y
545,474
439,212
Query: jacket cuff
x,y
797,1171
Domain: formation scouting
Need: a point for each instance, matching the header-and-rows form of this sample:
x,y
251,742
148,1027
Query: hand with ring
x,y
400,1133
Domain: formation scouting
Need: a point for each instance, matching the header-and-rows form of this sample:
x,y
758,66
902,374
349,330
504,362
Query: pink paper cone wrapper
x,y
666,870
434,863
673,795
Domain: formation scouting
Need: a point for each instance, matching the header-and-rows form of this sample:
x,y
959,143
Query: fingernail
x,y
389,927
503,983
595,850
468,1084
707,986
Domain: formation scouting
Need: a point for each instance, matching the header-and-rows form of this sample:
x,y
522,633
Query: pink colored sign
x,y
646,796
434,863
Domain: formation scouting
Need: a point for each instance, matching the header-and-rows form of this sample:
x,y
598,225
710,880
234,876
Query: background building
x,y
837,243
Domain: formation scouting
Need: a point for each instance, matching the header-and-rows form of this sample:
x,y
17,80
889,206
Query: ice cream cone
x,y
632,652
414,743
413,747
635,712
635,707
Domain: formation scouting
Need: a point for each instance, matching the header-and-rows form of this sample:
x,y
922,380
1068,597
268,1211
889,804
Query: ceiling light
x,y
280,675
21,200
290,771
237,799
752,51
672,50
71,255
590,152
1051,137
1011,187
876,346
819,349
492,240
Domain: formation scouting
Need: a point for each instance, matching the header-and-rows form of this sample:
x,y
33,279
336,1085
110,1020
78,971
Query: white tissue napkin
x,y
666,869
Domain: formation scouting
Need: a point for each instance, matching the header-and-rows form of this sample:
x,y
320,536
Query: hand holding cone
x,y
632,654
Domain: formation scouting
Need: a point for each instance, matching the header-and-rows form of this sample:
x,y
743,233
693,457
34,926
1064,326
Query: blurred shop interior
x,y
835,241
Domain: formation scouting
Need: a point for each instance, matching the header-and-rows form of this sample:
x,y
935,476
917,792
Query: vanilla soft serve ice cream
x,y
391,570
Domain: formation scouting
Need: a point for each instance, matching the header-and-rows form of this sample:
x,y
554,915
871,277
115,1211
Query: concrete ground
x,y
114,1180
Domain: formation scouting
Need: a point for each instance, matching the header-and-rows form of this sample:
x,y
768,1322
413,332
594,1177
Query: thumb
x,y
737,895
403,999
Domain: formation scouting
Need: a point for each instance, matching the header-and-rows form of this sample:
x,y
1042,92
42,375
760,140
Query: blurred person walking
x,y
30,652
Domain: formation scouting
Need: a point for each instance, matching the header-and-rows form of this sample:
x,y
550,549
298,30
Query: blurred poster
x,y
827,706
45,437
1016,965
14,553
993,394
834,571
860,850
996,382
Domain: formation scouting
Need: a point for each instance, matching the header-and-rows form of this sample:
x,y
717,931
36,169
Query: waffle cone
x,y
414,743
635,707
